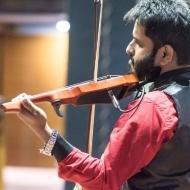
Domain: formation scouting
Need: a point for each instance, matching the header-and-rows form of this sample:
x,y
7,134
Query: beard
x,y
144,68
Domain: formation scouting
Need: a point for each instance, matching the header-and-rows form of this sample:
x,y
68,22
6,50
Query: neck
x,y
175,67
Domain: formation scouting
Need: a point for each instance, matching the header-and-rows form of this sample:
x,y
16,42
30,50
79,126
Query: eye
x,y
140,45
137,42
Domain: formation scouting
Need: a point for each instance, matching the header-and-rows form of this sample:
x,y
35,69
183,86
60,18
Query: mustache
x,y
131,65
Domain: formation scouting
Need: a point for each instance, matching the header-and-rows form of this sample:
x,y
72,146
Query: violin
x,y
105,90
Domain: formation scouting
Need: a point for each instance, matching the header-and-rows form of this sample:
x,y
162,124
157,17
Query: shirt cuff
x,y
61,149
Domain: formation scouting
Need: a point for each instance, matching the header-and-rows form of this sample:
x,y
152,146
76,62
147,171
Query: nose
x,y
130,49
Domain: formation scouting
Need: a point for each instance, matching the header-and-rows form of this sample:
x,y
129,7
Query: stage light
x,y
63,26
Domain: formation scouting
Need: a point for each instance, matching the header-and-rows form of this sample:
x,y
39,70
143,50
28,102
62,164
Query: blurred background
x,y
44,45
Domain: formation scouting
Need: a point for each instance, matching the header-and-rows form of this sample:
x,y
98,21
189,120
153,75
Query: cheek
x,y
158,59
140,54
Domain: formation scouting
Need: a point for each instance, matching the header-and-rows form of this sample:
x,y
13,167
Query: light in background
x,y
63,26
31,178
32,24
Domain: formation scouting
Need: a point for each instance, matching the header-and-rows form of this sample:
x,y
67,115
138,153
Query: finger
x,y
31,107
20,97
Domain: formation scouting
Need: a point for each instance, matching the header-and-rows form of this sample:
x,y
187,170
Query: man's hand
x,y
33,116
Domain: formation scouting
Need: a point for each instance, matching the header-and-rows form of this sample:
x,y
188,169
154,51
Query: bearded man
x,y
148,148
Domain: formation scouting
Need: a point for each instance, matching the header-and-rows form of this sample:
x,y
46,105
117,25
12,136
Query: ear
x,y
165,55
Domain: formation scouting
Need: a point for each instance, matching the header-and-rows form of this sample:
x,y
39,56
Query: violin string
x,y
88,81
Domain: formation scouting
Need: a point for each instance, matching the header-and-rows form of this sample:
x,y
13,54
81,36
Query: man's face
x,y
142,54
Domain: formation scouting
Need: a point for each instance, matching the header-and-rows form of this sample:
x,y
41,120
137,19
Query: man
x,y
149,145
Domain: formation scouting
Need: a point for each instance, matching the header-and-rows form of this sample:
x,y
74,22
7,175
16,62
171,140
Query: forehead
x,y
139,34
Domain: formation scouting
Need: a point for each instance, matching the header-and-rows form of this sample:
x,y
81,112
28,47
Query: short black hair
x,y
165,22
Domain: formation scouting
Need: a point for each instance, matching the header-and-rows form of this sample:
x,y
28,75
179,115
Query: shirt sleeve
x,y
136,138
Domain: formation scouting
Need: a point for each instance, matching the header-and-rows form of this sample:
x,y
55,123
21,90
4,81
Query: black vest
x,y
170,169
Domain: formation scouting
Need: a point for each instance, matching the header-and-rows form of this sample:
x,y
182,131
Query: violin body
x,y
85,93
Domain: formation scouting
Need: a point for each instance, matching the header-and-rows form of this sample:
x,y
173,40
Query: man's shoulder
x,y
157,97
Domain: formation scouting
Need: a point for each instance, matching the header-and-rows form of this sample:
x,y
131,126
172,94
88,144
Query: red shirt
x,y
136,138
